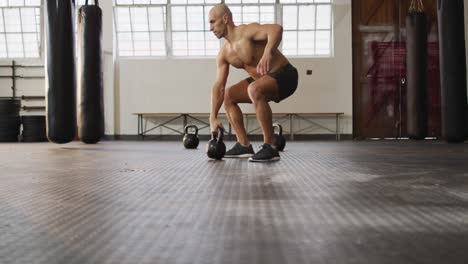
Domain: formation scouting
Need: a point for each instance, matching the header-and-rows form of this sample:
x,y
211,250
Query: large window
x,y
307,28
20,28
181,28
191,34
252,11
141,27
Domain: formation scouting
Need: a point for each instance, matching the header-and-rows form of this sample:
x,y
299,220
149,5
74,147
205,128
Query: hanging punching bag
x,y
416,71
90,74
60,72
452,69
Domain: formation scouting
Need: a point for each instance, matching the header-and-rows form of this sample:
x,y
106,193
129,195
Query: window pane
x,y
212,1
196,43
306,42
267,14
124,2
249,1
195,18
322,43
179,21
141,44
32,2
156,18
12,20
28,18
307,17
125,44
290,17
15,45
196,1
323,17
289,1
289,43
158,2
236,14
206,23
139,17
179,43
31,45
178,1
16,2
212,44
3,47
2,27
141,2
3,3
158,44
250,14
123,19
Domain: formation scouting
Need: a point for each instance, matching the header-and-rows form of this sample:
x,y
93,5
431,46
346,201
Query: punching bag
x,y
60,71
452,69
416,72
90,74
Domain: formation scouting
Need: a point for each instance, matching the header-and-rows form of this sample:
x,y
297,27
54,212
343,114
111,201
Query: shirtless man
x,y
254,48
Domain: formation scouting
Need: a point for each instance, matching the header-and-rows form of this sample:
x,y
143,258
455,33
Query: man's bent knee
x,y
229,97
255,93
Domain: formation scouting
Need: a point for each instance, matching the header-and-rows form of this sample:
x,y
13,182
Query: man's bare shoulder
x,y
247,30
222,51
221,58
248,26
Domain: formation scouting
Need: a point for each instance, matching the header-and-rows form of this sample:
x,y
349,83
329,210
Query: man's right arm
x,y
217,92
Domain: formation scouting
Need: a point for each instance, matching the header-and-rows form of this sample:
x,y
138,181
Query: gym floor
x,y
155,202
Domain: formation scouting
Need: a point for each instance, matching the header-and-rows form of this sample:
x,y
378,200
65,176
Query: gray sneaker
x,y
266,154
239,151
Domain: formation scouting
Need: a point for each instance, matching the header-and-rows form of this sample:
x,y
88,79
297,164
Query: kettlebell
x,y
279,140
191,138
215,149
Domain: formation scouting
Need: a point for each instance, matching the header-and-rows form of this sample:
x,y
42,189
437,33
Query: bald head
x,y
220,18
222,9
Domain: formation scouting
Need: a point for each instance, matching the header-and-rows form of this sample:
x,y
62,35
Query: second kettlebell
x,y
190,139
279,140
215,149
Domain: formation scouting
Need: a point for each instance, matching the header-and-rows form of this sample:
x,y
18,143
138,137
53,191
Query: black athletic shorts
x,y
287,79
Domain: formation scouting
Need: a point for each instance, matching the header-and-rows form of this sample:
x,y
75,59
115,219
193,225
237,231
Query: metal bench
x,y
168,118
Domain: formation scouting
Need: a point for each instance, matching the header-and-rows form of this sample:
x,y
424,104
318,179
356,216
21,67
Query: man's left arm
x,y
272,34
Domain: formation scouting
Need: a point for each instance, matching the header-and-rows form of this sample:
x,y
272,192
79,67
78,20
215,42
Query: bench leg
x,y
337,127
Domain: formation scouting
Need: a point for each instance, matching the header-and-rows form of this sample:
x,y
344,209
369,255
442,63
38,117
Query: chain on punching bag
x,y
60,72
416,71
452,69
90,74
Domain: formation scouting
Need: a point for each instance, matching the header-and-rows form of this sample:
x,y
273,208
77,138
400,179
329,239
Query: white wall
x,y
184,85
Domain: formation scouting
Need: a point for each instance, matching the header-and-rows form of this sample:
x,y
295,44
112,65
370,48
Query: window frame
x,y
278,18
38,33
332,29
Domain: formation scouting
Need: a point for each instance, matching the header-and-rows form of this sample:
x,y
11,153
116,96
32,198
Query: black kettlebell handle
x,y
280,128
218,135
96,2
191,126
